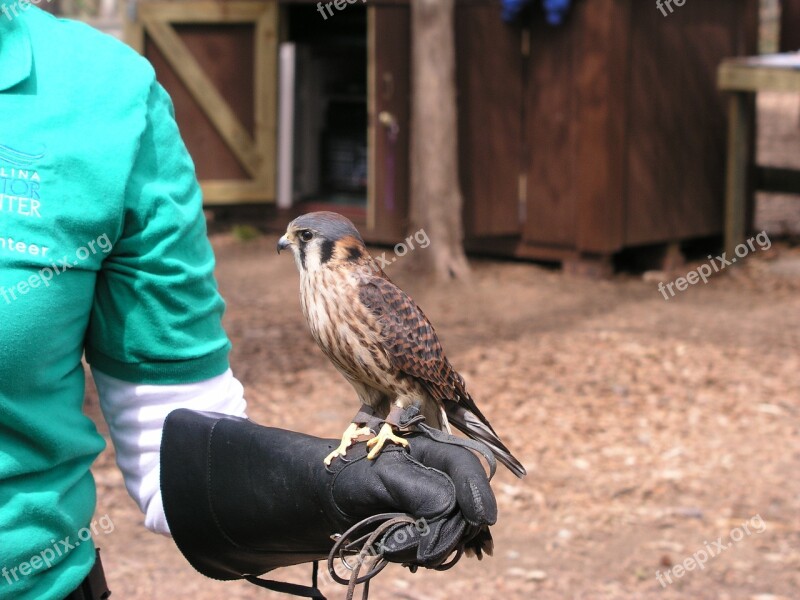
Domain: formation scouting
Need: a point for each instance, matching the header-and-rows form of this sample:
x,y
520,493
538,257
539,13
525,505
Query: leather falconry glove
x,y
242,499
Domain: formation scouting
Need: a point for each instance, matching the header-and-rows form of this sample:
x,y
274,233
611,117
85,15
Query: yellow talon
x,y
384,435
352,432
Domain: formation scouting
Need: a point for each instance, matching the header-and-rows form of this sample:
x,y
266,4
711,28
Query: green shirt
x,y
103,249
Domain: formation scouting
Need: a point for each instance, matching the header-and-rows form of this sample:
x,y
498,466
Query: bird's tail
x,y
481,544
479,429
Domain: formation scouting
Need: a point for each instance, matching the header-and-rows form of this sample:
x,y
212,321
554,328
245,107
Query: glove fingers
x,y
434,548
422,543
473,493
475,498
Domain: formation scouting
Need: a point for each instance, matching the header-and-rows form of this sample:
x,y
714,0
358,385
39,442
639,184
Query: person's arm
x,y
157,313
155,339
135,414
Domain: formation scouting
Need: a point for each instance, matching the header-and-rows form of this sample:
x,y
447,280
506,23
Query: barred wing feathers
x,y
410,342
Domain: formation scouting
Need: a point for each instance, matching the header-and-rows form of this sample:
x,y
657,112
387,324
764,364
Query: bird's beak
x,y
283,243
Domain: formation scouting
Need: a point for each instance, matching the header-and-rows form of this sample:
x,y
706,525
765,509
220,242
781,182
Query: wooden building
x,y
790,26
576,142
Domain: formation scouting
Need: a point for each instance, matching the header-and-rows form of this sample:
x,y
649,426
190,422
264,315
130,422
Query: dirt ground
x,y
650,428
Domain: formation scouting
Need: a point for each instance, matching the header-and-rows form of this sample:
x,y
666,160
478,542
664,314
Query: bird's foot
x,y
386,434
352,432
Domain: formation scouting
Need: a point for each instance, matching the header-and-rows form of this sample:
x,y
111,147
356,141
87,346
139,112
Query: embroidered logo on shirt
x,y
18,158
20,184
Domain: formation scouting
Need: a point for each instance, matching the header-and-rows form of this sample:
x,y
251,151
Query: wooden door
x,y
489,84
218,61
389,79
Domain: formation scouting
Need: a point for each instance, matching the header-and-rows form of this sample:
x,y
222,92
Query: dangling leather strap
x,y
293,589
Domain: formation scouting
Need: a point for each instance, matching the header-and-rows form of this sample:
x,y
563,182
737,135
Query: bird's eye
x,y
306,236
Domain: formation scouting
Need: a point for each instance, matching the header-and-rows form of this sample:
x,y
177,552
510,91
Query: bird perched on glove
x,y
379,339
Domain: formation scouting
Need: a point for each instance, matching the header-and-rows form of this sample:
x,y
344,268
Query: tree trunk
x,y
436,200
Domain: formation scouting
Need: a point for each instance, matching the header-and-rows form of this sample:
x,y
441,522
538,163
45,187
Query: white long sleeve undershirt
x,y
135,415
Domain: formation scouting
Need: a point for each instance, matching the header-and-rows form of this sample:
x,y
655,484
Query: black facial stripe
x,y
302,249
327,251
354,253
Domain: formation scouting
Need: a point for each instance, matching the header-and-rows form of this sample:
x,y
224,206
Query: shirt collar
x,y
16,56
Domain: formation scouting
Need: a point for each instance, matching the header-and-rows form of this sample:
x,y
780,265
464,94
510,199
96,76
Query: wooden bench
x,y
745,77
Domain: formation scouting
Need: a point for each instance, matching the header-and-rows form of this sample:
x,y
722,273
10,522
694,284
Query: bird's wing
x,y
410,342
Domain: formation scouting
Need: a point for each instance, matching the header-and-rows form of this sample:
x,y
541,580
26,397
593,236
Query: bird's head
x,y
321,240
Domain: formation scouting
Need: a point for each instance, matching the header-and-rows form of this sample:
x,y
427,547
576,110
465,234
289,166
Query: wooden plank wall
x,y
624,125
575,111
677,119
609,129
551,137
790,25
490,82
601,82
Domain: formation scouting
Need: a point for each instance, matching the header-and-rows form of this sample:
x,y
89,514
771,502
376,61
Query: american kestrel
x,y
378,338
